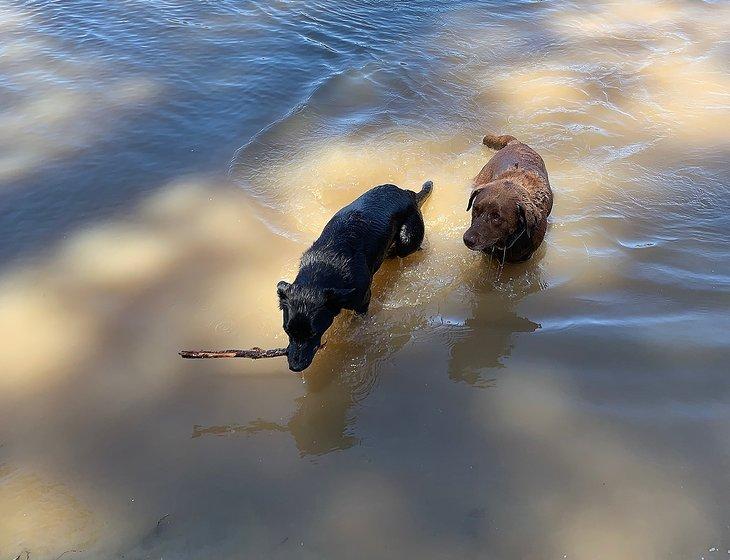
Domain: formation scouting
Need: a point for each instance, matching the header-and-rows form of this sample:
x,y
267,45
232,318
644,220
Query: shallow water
x,y
162,166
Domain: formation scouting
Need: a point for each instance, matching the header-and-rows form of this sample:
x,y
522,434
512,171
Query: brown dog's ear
x,y
474,193
527,218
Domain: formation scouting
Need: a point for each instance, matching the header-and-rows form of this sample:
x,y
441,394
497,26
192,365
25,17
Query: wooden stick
x,y
254,353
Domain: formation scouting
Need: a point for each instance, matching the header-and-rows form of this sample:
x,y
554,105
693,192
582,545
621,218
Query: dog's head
x,y
499,214
308,312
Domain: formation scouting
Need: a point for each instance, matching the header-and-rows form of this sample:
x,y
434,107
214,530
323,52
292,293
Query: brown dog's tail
x,y
422,195
497,142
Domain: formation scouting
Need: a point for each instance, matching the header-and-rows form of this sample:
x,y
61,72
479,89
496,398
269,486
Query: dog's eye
x,y
495,217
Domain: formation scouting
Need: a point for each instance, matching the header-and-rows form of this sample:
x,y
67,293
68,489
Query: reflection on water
x,y
492,324
162,167
318,426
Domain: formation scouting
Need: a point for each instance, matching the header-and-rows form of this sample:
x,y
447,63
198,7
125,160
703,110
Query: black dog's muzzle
x,y
300,356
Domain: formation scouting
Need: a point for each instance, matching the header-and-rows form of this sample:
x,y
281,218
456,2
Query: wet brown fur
x,y
511,194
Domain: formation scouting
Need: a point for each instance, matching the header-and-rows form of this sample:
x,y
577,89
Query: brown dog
x,y
512,199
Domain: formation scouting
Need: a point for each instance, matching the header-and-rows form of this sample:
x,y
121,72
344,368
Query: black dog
x,y
336,271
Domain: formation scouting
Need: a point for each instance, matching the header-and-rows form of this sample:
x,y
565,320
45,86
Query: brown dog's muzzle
x,y
476,240
470,240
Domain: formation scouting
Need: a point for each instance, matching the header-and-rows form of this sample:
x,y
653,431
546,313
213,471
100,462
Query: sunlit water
x,y
162,166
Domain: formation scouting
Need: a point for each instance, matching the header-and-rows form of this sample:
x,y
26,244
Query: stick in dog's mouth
x,y
254,353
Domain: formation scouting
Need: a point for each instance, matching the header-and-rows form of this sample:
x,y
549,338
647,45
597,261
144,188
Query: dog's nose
x,y
469,240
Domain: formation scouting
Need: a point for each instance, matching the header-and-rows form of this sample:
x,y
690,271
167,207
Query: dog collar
x,y
514,239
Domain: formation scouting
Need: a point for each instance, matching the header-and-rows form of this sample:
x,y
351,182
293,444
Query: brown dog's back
x,y
513,155
513,182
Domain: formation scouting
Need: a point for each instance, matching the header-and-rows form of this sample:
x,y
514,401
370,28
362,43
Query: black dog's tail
x,y
425,191
497,142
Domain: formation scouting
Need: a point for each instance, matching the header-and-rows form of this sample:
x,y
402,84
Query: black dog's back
x,y
373,225
335,273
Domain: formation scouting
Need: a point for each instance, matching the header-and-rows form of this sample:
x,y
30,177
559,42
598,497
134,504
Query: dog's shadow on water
x,y
347,371
342,374
337,381
486,337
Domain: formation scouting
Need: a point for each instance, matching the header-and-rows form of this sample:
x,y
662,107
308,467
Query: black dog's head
x,y
308,312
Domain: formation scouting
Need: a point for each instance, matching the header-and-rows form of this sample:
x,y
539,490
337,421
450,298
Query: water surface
x,y
162,166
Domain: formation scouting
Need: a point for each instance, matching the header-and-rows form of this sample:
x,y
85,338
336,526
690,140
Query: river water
x,y
162,166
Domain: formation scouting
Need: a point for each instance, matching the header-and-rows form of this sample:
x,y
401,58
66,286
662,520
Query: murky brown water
x,y
576,406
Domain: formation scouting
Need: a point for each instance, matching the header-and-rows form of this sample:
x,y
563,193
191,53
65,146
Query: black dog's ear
x,y
338,297
526,218
474,193
282,288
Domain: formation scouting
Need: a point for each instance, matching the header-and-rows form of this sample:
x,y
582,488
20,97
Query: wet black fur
x,y
335,273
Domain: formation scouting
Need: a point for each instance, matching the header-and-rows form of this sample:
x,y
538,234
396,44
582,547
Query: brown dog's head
x,y
499,217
